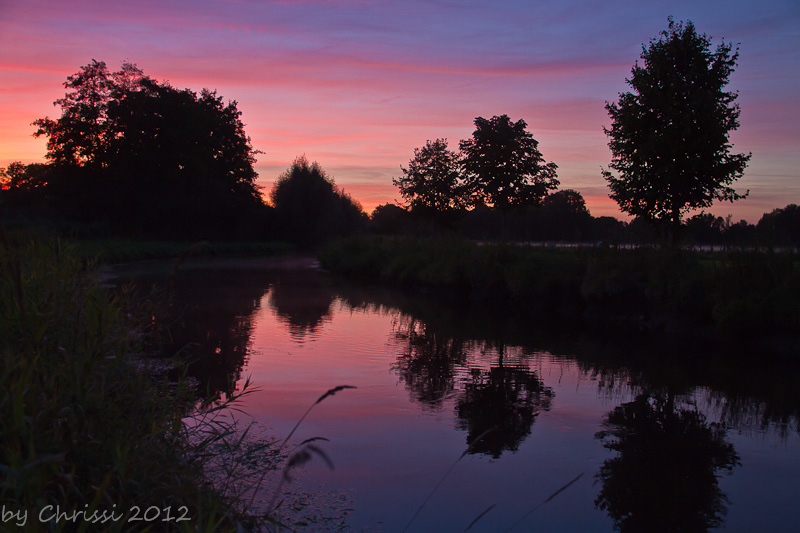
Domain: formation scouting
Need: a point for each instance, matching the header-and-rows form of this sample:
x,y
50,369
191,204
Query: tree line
x,y
133,156
147,159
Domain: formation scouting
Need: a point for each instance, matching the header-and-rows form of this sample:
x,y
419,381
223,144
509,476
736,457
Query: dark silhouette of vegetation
x,y
664,477
500,167
310,208
432,182
389,219
670,136
22,178
146,159
503,166
743,295
85,426
781,226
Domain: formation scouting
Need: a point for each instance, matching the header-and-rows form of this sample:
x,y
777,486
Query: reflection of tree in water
x,y
664,476
428,362
506,400
216,324
302,302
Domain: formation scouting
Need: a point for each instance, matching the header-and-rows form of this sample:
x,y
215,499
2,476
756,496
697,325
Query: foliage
x,y
432,182
310,208
670,136
503,165
389,219
746,295
782,226
151,159
79,136
84,427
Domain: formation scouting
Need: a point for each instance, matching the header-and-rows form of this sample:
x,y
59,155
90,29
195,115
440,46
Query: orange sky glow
x,y
357,85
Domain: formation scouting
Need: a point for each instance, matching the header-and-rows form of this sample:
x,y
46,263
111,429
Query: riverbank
x,y
119,250
91,441
734,295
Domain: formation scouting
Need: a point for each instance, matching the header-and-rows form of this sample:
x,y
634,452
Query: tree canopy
x,y
503,166
670,136
782,225
148,157
310,208
432,181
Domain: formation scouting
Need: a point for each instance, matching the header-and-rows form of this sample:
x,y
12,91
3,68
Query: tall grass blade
x,y
556,493
465,452
302,453
331,392
480,516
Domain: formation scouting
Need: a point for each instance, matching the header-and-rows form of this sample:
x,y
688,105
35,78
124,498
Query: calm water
x,y
663,437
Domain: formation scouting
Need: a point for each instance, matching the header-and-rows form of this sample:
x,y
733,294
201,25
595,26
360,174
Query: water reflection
x,y
303,303
504,401
665,474
499,405
428,361
476,369
215,310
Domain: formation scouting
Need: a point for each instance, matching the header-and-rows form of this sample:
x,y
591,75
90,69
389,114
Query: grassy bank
x,y
126,250
83,431
735,294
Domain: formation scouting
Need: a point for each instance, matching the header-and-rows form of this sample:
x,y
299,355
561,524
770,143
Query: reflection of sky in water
x,y
390,452
394,437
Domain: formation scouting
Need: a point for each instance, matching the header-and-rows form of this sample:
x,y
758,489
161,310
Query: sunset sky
x,y
356,85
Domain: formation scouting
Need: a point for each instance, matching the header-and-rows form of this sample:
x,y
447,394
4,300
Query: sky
x,y
356,85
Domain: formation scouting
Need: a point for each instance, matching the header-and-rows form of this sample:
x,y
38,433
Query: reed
x,y
754,293
84,430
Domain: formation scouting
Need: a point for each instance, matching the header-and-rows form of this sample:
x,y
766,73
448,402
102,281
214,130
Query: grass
x,y
732,294
89,432
82,431
116,250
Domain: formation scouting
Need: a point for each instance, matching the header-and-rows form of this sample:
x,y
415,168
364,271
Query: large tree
x,y
503,165
147,157
670,135
432,182
310,208
79,135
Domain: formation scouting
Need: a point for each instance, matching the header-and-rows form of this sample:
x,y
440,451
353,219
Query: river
x,y
488,418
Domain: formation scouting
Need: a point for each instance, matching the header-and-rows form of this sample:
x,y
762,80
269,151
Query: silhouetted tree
x,y
22,186
781,226
670,136
309,208
503,166
182,156
664,477
79,136
389,219
565,216
705,228
432,182
607,229
741,233
13,176
150,158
